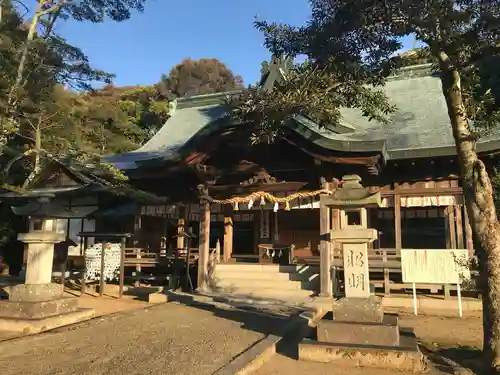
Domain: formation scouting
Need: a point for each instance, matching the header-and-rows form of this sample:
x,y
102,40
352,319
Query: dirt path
x,y
453,337
165,339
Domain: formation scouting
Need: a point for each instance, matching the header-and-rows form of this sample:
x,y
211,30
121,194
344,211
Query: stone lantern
x,y
357,329
39,304
352,199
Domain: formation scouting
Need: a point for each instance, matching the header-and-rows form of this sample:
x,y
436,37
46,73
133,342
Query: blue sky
x,y
148,45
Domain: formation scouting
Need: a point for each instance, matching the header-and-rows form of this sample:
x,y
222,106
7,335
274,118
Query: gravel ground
x,y
453,337
165,339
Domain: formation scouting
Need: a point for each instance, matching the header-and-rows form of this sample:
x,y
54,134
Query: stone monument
x,y
358,329
39,304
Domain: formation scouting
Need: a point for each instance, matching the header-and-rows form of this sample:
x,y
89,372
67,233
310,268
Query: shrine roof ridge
x,y
420,127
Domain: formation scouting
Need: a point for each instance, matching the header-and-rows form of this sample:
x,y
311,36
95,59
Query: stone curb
x,y
257,355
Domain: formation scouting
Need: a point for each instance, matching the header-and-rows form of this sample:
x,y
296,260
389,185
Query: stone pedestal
x,y
39,305
359,321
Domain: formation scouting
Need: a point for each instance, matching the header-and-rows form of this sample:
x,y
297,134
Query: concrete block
x,y
157,298
384,334
360,310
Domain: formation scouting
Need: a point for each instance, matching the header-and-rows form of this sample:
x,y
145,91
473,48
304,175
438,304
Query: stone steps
x,y
274,268
266,284
267,281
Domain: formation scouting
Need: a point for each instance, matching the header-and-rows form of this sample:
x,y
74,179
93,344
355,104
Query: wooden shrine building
x,y
263,200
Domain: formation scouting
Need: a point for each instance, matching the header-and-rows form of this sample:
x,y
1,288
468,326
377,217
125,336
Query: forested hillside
x,y
50,109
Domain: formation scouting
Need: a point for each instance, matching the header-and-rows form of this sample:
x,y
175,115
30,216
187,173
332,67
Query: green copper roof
x,y
419,128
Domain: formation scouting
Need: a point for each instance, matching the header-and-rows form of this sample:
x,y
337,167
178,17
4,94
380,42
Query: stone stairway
x,y
288,284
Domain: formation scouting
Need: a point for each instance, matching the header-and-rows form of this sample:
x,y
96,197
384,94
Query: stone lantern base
x,y
357,333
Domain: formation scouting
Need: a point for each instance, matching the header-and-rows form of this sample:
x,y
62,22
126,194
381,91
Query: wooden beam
x,y
423,192
228,190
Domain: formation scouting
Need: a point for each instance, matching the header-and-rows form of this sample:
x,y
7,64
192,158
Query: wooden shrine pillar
x,y
450,228
204,244
228,233
397,218
325,247
276,233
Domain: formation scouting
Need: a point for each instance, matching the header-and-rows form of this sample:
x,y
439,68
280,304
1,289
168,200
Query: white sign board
x,y
435,266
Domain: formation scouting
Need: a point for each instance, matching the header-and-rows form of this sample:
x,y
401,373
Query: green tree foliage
x,y
47,123
351,49
197,77
119,119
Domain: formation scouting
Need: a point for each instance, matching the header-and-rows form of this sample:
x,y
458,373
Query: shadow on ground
x,y
448,359
141,293
265,323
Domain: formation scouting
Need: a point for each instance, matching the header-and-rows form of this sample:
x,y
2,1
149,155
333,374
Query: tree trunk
x,y
480,206
37,166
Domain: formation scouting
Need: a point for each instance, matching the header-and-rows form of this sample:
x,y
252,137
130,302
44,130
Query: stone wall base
x,y
32,326
37,310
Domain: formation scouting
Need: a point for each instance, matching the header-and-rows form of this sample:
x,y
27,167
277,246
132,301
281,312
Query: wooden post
x,y
325,248
387,280
451,239
453,228
101,276
397,218
204,246
228,238
122,267
276,234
